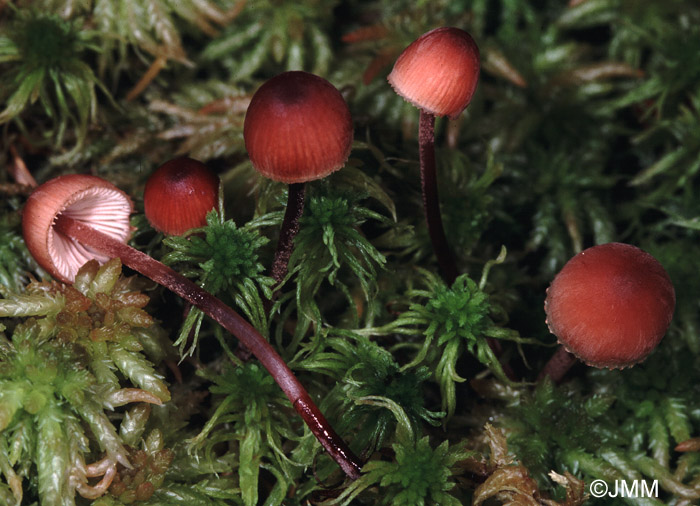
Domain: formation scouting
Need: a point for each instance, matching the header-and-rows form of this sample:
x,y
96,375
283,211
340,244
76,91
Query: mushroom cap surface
x,y
610,305
438,72
179,194
297,128
85,198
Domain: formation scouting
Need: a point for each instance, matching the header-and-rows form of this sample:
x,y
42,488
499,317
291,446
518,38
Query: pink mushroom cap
x,y
438,72
85,198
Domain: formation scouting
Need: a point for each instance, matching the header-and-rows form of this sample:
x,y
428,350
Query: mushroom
x,y
179,194
71,219
297,128
88,199
610,306
437,73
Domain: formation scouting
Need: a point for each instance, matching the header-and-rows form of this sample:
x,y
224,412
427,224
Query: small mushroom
x,y
179,194
72,219
610,306
297,128
437,73
88,199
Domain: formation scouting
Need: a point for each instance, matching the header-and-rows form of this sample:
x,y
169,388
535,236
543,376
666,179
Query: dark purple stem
x,y
431,203
232,322
558,365
289,230
431,206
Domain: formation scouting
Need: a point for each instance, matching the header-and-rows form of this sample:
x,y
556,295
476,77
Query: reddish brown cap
x,y
89,199
179,194
438,72
297,128
610,305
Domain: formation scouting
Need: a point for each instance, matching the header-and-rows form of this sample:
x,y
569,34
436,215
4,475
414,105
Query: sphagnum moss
x,y
583,130
46,61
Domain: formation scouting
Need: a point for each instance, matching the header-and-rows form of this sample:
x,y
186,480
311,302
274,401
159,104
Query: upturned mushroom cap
x,y
85,198
610,305
438,72
179,194
297,128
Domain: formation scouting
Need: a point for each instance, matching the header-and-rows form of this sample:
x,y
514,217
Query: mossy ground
x,y
585,128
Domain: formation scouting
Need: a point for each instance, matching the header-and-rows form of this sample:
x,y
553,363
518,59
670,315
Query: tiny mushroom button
x,y
179,194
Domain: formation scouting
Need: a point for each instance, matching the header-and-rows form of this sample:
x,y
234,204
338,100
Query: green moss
x,y
583,130
46,41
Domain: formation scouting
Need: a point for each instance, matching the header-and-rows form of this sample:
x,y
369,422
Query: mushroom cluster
x,y
298,128
72,219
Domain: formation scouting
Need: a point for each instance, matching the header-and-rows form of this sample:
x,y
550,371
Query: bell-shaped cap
x,y
438,72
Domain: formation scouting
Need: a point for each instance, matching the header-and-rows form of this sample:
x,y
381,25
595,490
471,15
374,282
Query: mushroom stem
x,y
228,319
558,365
289,230
431,206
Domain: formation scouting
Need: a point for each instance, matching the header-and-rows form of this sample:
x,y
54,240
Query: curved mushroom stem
x,y
558,365
289,230
232,322
431,206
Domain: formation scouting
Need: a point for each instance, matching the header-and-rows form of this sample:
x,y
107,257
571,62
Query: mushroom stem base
x,y
231,321
558,365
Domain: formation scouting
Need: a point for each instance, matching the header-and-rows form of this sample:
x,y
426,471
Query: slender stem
x,y
431,205
558,365
232,322
289,230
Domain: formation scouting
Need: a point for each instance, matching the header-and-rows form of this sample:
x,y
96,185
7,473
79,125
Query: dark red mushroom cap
x,y
179,194
297,128
610,305
438,72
